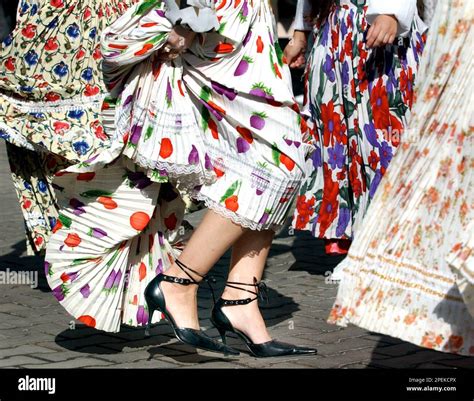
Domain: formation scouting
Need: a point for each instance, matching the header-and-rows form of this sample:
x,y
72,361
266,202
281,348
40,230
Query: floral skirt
x,y
398,277
359,100
51,92
221,123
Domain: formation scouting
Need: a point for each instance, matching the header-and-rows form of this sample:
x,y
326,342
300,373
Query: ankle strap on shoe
x,y
191,280
261,292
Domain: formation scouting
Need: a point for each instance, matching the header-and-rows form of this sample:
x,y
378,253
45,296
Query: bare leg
x,y
208,243
249,256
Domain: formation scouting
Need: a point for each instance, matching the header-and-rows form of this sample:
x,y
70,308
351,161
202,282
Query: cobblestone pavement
x,y
35,331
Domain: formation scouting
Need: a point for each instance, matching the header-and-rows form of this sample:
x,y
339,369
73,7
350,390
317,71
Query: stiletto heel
x,y
222,333
155,300
262,350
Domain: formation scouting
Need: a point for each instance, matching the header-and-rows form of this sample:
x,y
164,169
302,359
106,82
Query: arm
x,y
403,10
295,49
303,15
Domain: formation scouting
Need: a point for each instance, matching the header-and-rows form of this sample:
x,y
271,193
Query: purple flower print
x,y
371,135
328,68
86,291
386,154
142,316
325,35
345,73
375,183
336,156
343,222
343,29
316,158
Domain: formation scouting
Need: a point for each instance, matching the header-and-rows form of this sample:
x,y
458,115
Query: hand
x,y
179,40
295,50
383,31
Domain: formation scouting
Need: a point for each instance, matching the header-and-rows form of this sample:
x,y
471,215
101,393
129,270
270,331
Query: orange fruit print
x,y
166,148
72,240
139,220
232,203
107,202
87,320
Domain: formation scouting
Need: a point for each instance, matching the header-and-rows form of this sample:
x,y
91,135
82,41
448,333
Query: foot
x,y
337,246
181,300
246,318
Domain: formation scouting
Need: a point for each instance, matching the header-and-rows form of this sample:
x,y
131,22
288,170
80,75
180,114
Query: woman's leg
x,y
249,256
209,242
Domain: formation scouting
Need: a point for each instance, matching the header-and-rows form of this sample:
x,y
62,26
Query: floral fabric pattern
x,y
398,277
51,92
359,100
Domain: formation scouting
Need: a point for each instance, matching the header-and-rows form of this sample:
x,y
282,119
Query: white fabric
x,y
200,16
404,10
303,14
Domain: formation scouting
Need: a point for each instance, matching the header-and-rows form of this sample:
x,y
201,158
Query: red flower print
x,y
406,86
331,123
91,90
10,64
97,54
29,31
329,206
98,130
60,127
51,44
52,97
87,14
305,209
57,3
80,54
373,160
380,106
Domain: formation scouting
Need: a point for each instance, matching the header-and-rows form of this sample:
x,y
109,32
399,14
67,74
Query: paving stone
x,y
35,331
19,360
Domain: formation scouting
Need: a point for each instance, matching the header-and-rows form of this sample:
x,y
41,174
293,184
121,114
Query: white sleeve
x,y
404,11
200,16
303,15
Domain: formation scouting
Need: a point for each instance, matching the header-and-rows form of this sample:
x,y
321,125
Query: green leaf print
x,y
276,155
95,193
279,54
205,93
65,221
319,195
230,191
148,133
205,118
222,27
146,5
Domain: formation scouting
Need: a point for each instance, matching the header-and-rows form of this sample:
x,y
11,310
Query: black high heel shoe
x,y
155,300
262,350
